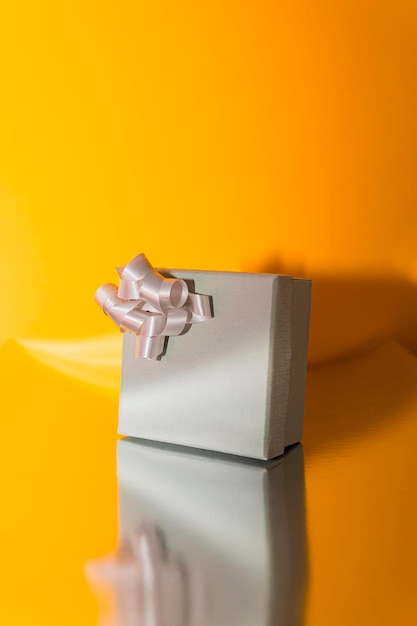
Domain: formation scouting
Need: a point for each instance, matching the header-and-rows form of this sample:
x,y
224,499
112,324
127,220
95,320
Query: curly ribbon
x,y
151,306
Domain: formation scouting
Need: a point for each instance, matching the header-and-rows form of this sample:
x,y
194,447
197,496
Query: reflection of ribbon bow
x,y
151,306
151,586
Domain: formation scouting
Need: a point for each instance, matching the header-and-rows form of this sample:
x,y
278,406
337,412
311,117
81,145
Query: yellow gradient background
x,y
229,135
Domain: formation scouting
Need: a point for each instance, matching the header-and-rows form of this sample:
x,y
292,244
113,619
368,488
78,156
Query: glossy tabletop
x,y
98,530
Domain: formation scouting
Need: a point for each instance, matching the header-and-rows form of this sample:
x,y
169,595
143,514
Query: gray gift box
x,y
234,383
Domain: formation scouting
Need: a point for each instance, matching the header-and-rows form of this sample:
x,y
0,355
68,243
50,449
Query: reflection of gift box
x,y
234,527
234,383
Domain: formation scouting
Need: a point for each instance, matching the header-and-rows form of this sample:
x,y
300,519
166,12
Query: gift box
x,y
233,383
214,539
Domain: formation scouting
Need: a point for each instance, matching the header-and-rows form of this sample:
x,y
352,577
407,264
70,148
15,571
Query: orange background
x,y
225,135
228,135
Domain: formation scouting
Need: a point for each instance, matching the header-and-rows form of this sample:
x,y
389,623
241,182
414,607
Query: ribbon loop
x,y
151,306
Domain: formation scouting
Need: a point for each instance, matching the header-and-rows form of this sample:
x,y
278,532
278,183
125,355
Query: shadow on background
x,y
347,400
363,368
350,314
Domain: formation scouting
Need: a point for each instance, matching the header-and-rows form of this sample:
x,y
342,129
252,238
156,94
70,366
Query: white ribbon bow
x,y
151,306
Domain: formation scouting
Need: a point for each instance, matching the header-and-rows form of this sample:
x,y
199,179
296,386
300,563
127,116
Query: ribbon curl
x,y
151,306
